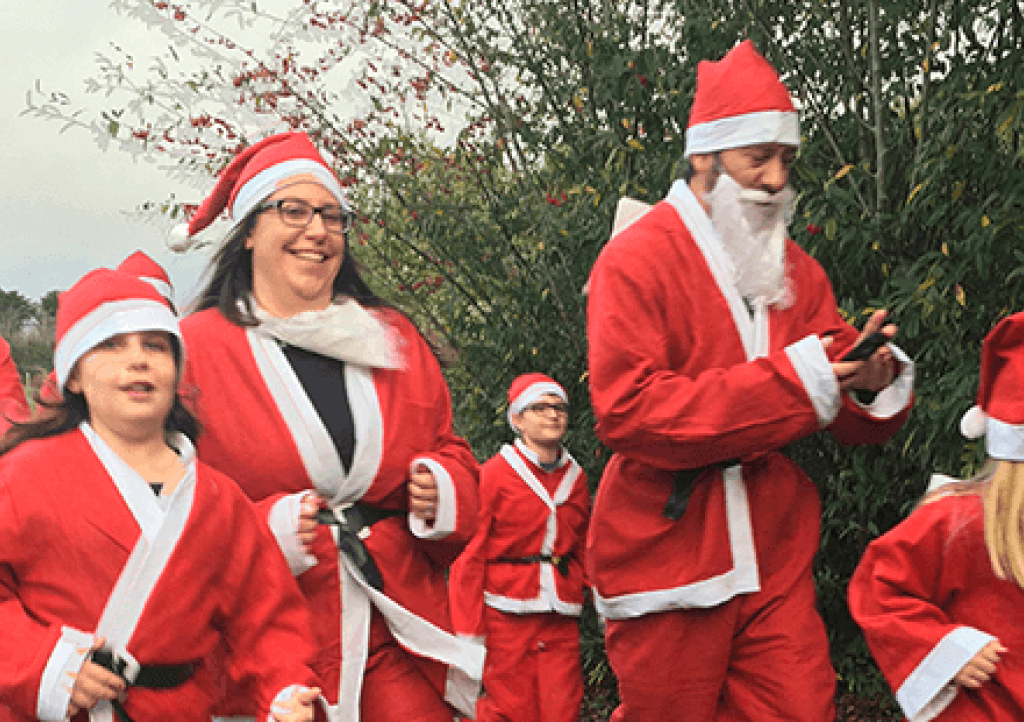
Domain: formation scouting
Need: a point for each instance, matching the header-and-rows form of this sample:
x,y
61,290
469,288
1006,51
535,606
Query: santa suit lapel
x,y
312,440
753,330
161,531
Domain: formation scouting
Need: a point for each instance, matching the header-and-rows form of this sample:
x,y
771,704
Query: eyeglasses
x,y
542,406
299,214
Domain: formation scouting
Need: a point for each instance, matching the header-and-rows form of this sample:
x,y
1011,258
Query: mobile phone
x,y
867,346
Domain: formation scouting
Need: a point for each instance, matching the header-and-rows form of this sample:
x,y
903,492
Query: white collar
x,y
563,457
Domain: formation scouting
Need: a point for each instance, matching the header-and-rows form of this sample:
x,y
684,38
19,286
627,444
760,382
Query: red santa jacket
x,y
683,376
260,425
524,512
66,534
13,405
927,599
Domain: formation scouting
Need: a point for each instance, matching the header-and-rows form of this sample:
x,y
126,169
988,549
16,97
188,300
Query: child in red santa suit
x,y
940,596
123,560
519,584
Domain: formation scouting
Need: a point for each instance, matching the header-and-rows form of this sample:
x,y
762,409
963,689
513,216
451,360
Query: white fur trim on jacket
x,y
444,522
929,689
66,659
283,520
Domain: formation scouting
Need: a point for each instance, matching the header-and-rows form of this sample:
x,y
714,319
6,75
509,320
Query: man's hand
x,y
981,667
298,709
876,371
93,684
423,494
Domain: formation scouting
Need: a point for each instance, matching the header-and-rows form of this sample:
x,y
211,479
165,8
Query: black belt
x,y
559,562
153,676
349,522
682,486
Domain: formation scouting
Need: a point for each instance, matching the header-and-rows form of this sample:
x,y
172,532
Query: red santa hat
x,y
103,304
999,413
740,101
528,388
256,173
141,265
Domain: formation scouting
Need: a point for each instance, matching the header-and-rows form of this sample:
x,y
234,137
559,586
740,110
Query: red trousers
x,y
760,656
532,672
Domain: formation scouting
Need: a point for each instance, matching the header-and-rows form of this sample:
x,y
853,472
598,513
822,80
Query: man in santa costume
x,y
714,341
519,583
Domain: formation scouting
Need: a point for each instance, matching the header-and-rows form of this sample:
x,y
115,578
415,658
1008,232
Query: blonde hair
x,y
1000,484
1003,501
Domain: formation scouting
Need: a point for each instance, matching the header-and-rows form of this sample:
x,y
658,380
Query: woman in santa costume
x,y
519,584
117,580
314,393
941,596
13,404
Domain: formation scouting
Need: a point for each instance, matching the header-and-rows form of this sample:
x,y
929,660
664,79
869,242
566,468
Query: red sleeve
x,y
467,577
906,581
25,643
13,405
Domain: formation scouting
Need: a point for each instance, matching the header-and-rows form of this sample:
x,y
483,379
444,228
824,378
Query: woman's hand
x,y
94,684
423,494
307,521
298,709
981,667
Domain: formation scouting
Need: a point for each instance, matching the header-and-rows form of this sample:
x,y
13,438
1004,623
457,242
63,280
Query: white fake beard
x,y
752,225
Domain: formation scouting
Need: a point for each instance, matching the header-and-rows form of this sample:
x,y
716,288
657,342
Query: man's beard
x,y
752,225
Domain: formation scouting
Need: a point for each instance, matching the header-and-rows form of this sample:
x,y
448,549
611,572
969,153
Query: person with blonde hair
x,y
940,597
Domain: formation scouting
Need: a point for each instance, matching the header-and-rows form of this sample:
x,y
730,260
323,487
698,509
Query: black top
x,y
323,379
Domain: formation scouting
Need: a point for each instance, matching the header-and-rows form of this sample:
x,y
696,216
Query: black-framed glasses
x,y
299,214
542,407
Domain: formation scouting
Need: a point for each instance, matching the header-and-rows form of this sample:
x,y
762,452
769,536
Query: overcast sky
x,y
63,202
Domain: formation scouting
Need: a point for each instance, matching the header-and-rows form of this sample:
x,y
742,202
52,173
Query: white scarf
x,y
344,331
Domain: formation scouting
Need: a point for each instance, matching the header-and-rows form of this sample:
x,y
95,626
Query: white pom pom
x,y
973,423
179,240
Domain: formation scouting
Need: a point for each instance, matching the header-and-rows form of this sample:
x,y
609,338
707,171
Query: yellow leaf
x,y
584,376
534,351
961,297
926,65
928,283
565,232
635,144
958,190
914,192
625,123
874,246
995,87
945,249
540,246
544,293
985,221
844,170
714,24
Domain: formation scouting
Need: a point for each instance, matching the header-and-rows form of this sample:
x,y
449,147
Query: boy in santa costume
x,y
117,580
13,404
324,404
519,583
714,341
941,596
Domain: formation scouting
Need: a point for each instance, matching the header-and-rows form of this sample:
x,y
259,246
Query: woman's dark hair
x,y
230,286
54,417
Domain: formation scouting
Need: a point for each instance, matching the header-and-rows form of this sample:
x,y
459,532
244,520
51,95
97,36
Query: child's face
x,y
129,382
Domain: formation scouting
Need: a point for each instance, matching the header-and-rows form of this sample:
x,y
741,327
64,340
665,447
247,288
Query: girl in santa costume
x,y
326,405
116,576
940,596
519,584
13,405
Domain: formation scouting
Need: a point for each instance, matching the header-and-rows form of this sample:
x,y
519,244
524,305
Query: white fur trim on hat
x,y
108,320
768,126
264,184
1004,441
